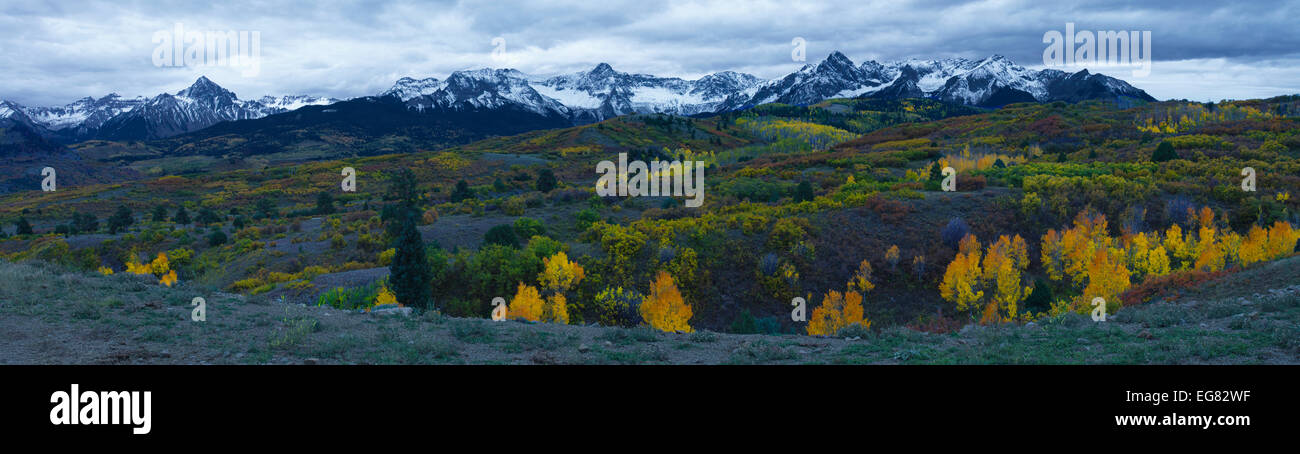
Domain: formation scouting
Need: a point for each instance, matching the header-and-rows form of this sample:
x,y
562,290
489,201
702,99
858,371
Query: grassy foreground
x,y
49,315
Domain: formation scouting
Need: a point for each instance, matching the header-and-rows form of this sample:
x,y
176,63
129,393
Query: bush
x,y
216,238
954,232
545,180
503,235
513,206
529,227
617,307
585,218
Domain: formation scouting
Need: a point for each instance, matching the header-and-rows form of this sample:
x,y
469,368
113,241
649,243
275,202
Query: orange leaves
x,y
663,308
1255,247
892,257
526,304
1107,275
1281,240
837,312
961,280
159,267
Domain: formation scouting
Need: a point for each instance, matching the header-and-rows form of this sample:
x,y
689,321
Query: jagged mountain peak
x,y
602,70
207,90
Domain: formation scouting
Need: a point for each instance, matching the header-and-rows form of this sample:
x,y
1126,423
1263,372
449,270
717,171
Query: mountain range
x,y
113,117
584,97
603,92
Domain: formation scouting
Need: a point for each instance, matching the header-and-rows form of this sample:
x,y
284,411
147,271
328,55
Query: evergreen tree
x,y
182,217
461,192
120,220
84,223
24,228
160,214
409,275
804,192
324,203
545,180
1164,152
266,208
207,216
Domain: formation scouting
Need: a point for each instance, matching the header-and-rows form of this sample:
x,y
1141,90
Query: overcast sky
x,y
54,52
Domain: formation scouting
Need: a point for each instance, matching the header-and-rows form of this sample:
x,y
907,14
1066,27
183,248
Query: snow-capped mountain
x,y
113,117
589,96
604,92
992,82
583,97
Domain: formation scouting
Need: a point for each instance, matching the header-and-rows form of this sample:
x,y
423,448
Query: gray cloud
x,y
53,53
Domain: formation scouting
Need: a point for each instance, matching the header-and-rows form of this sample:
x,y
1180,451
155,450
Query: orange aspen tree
x,y
663,308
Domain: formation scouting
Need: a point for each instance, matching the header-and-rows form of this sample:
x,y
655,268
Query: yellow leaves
x,y
861,280
1008,292
385,296
1281,240
1255,247
105,271
837,312
892,257
159,267
1158,262
1107,275
559,274
961,279
1053,255
556,310
663,308
526,304
168,279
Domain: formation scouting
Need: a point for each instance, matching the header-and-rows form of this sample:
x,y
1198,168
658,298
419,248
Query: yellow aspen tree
x,y
993,259
1053,255
1019,252
1157,262
891,257
1139,251
1176,246
861,280
1211,258
1230,242
960,283
1254,248
558,276
526,305
663,308
1107,276
1010,290
1281,240
556,309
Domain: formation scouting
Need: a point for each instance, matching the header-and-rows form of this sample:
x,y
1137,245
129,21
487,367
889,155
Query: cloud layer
x,y
54,52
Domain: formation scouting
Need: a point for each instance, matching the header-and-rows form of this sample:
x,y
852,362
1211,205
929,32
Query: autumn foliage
x,y
663,308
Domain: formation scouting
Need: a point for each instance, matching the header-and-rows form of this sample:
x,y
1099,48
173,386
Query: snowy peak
x,y
602,91
198,106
